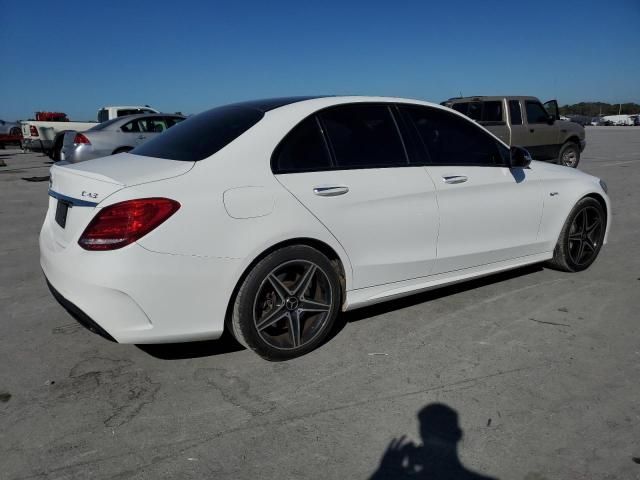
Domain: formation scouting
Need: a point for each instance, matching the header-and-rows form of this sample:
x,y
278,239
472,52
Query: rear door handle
x,y
330,190
454,179
141,137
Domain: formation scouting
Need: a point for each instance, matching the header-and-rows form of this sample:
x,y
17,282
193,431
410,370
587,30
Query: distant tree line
x,y
593,109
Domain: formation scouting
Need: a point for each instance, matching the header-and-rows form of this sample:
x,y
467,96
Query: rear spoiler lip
x,y
75,202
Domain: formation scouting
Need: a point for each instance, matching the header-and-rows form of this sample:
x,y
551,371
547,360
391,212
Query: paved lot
x,y
542,368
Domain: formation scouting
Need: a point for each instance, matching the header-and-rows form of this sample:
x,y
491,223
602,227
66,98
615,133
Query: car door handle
x,y
532,130
454,179
141,137
330,190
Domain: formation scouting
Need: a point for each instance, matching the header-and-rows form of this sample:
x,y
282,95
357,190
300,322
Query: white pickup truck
x,y
43,135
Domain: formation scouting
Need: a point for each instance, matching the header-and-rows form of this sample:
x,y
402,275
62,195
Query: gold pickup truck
x,y
526,122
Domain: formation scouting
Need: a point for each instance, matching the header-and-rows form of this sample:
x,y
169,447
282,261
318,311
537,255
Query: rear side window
x,y
202,135
515,112
492,112
450,140
475,111
363,136
536,112
302,150
461,107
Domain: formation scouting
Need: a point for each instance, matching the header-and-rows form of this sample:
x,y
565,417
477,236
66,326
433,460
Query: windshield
x,y
202,135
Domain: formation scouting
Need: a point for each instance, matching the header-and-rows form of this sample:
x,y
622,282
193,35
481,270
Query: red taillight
x,y
80,138
33,130
123,223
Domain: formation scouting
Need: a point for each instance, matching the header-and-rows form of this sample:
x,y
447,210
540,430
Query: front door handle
x,y
454,179
330,190
141,137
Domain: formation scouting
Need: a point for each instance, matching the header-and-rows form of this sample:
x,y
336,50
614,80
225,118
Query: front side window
x,y
475,111
536,112
202,135
451,140
363,136
514,112
302,150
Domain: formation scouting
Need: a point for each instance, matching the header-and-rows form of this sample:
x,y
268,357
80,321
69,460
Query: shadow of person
x,y
437,457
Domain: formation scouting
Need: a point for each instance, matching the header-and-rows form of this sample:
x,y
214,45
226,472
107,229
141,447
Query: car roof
x,y
485,98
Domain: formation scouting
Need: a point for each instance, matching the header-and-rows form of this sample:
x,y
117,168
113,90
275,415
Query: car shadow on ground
x,y
418,298
435,458
227,344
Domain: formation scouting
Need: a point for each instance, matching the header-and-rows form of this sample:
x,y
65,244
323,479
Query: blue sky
x,y
192,55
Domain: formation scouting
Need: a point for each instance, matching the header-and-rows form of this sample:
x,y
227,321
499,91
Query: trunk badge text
x,y
89,194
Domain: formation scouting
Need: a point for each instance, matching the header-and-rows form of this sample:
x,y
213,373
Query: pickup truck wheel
x,y
569,155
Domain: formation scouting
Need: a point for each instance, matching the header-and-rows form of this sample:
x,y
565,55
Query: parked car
x,y
9,128
115,136
526,122
268,218
41,134
10,133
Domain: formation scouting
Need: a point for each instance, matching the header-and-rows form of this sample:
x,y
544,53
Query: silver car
x,y
115,136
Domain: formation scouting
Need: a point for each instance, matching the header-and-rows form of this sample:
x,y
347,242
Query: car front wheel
x,y
569,155
581,237
287,304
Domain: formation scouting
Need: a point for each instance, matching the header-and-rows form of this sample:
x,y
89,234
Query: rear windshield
x,y
202,135
104,125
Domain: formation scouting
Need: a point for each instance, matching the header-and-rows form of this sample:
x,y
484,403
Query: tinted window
x,y
123,112
363,136
451,140
514,112
103,115
460,107
302,150
492,111
202,135
475,111
536,112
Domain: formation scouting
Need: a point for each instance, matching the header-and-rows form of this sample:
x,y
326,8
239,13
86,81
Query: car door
x,y
543,134
488,212
348,166
131,134
151,127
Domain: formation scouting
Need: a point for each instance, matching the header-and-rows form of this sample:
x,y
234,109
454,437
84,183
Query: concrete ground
x,y
541,367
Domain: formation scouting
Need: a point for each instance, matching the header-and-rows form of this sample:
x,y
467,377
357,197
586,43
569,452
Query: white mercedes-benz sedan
x,y
268,218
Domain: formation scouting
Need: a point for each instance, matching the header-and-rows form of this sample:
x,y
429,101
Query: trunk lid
x,y
75,190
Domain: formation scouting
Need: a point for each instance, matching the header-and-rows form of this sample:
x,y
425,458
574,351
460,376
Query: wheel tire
x,y
261,298
121,150
569,155
580,234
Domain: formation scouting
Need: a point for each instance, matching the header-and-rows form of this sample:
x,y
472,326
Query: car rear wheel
x,y
569,155
581,237
287,304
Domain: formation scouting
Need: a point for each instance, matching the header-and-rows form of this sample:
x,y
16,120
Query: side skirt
x,y
380,293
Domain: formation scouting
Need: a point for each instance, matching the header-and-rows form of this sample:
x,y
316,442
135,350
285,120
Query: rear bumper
x,y
133,295
36,144
81,317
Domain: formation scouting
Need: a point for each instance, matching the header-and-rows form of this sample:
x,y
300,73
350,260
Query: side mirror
x,y
551,120
520,158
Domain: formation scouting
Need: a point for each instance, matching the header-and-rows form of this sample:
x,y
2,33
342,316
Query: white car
x,y
268,218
